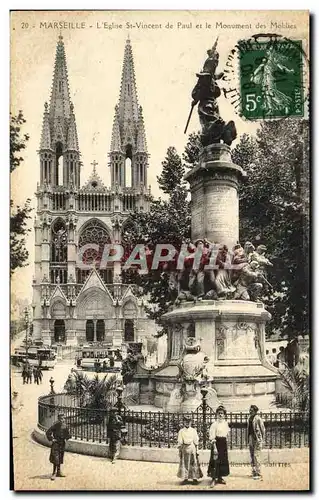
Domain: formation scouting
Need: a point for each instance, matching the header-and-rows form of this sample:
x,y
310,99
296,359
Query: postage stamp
x,y
271,83
267,77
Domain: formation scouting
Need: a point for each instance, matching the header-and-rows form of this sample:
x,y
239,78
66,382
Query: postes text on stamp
x,y
271,79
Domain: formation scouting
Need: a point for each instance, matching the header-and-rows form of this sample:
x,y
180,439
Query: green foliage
x,y
172,172
296,381
19,215
167,222
93,393
192,150
274,211
18,230
17,142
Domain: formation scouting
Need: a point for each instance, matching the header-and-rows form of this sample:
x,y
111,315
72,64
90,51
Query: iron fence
x,y
160,429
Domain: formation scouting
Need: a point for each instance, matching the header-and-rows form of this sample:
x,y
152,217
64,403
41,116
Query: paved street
x,y
32,468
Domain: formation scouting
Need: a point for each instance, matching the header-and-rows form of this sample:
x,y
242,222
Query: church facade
x,y
72,305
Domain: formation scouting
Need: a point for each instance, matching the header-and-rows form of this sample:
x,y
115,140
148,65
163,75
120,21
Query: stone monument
x,y
231,333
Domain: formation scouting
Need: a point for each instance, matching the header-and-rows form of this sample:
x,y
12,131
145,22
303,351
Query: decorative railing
x,y
99,202
160,429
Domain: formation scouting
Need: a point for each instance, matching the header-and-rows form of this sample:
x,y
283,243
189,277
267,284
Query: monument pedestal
x,y
232,334
214,188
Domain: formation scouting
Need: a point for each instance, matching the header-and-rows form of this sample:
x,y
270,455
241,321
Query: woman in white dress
x,y
187,443
218,434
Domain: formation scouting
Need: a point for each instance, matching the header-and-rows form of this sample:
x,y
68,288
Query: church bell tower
x,y
128,134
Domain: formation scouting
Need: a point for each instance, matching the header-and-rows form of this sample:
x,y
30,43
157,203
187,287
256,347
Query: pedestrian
x,y
256,435
40,374
35,375
29,374
114,432
187,442
25,373
218,433
57,434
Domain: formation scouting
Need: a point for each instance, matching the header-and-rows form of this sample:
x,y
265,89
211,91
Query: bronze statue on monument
x,y
205,94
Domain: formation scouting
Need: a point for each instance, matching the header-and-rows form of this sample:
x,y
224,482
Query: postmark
x,y
266,77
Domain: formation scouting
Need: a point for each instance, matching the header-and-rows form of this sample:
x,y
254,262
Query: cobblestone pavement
x,y
32,468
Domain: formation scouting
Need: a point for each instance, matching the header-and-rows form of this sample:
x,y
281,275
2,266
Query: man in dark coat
x,y
40,375
114,431
58,433
35,375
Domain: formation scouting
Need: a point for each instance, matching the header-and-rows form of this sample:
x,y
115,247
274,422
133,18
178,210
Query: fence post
x,y
204,392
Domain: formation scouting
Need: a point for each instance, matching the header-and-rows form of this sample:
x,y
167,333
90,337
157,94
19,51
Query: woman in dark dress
x,y
218,465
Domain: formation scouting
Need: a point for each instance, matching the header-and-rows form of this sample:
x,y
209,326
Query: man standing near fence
x,y
57,434
114,432
256,435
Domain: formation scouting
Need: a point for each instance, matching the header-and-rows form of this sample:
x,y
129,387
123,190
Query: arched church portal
x,y
129,332
100,330
89,330
59,331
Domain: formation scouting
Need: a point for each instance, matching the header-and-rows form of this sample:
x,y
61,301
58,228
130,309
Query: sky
x,y
167,54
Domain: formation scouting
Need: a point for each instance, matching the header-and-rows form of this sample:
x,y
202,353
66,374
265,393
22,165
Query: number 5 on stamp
x,y
271,77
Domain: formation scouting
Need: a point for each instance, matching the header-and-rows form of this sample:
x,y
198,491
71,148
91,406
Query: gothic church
x,y
72,305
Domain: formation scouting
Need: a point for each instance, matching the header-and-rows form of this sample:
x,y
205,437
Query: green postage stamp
x,y
271,79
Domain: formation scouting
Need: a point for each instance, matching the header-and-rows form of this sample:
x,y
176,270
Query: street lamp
x,y
26,321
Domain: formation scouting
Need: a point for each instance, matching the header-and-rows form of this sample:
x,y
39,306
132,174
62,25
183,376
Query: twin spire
x,y
59,125
128,124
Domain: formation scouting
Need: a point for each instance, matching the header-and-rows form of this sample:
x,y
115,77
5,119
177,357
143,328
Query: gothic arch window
x,y
94,232
59,242
59,164
128,172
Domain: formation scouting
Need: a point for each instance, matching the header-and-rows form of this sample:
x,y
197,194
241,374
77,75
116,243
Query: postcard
x,y
160,250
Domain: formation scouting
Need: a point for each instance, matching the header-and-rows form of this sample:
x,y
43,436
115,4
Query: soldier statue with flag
x,y
205,94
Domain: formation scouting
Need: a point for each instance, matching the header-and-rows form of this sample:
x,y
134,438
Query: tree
x,y
172,172
19,215
167,222
192,150
17,142
274,212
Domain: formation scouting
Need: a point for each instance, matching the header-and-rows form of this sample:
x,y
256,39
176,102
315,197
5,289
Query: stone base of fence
x,y
271,457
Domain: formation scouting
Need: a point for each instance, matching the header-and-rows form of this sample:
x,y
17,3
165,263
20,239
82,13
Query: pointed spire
x,y
72,139
116,135
141,145
60,103
128,133
45,142
128,104
59,131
